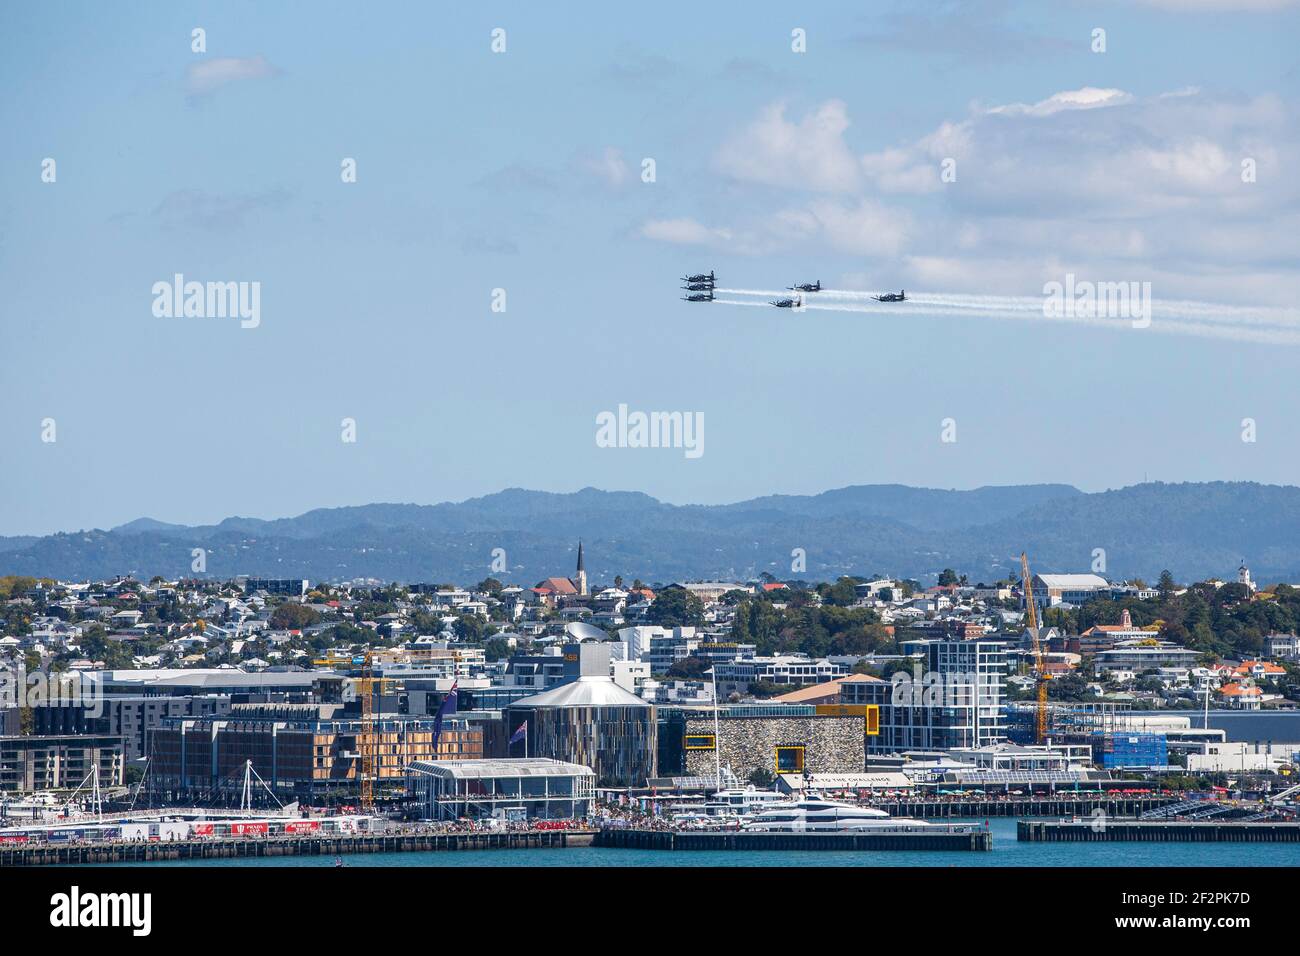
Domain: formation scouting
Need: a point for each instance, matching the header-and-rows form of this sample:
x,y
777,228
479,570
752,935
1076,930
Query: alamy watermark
x,y
179,299
1098,300
41,689
625,429
941,689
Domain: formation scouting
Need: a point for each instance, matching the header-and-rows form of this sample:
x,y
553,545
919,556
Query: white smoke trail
x,y
1176,326
1241,323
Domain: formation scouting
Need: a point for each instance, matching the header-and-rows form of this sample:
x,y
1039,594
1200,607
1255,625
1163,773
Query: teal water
x,y
1007,851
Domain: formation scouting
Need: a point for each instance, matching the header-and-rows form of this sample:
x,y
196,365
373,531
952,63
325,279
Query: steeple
x,y
581,582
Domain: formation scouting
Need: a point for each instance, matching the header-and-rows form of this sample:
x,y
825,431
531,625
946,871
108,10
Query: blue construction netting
x,y
1121,750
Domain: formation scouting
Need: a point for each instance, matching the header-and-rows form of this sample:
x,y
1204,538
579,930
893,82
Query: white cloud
x,y
684,232
1086,98
810,154
861,228
609,167
208,75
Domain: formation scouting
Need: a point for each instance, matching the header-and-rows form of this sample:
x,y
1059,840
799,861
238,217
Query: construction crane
x,y
1040,671
365,738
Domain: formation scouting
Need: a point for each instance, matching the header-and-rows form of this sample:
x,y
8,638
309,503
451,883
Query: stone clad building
x,y
803,741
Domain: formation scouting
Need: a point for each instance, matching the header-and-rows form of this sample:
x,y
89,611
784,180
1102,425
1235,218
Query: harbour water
x,y
1007,851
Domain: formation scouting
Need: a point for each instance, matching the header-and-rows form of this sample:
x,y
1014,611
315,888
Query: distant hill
x,y
1194,530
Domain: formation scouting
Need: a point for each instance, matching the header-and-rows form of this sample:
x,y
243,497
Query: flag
x,y
519,734
448,706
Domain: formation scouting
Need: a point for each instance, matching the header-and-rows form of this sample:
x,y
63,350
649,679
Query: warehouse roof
x,y
1073,581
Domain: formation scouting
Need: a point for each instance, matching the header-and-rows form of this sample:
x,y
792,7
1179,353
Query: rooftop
x,y
484,769
1073,580
584,692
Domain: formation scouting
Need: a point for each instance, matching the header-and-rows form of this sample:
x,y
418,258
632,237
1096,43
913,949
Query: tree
x,y
676,607
468,627
1166,586
843,592
762,778
291,616
490,585
688,668
947,576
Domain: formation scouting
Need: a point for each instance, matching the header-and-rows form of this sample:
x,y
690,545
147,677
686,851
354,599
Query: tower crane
x,y
1040,671
365,739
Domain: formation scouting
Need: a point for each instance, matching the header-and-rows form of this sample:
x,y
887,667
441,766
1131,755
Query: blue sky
x,y
522,171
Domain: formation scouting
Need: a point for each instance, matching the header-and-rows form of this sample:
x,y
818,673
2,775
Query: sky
x,y
523,171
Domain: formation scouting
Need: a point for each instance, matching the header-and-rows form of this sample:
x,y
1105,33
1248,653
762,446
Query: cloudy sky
x,y
523,171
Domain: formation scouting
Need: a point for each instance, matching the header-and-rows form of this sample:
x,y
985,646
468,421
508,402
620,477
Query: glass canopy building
x,y
529,788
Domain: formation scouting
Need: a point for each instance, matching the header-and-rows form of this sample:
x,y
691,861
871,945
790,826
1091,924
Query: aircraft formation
x,y
702,286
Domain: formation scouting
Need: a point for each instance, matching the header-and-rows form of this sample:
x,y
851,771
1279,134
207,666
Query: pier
x,y
1062,805
1156,831
927,838
49,854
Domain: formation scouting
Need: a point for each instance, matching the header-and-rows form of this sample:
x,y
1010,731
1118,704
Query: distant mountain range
x,y
1196,530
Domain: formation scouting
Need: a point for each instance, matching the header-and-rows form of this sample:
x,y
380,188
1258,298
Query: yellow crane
x,y
1040,671
365,739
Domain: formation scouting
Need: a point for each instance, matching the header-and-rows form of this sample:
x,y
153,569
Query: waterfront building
x,y
301,750
522,789
954,697
593,722
764,738
57,762
131,717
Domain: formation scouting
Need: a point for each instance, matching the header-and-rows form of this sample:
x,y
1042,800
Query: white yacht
x,y
742,801
813,814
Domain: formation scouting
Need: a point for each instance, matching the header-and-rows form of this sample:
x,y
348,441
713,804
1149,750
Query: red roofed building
x,y
1241,696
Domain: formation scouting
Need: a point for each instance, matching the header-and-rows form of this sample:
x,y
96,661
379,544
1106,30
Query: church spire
x,y
582,572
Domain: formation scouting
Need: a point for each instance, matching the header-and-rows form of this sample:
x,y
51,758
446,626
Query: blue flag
x,y
448,706
519,734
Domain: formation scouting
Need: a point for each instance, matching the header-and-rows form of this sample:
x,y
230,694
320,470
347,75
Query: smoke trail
x,y
1255,325
1241,323
1176,326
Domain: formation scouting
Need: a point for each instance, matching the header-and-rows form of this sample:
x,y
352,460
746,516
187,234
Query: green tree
x,y
676,607
688,668
469,627
291,616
